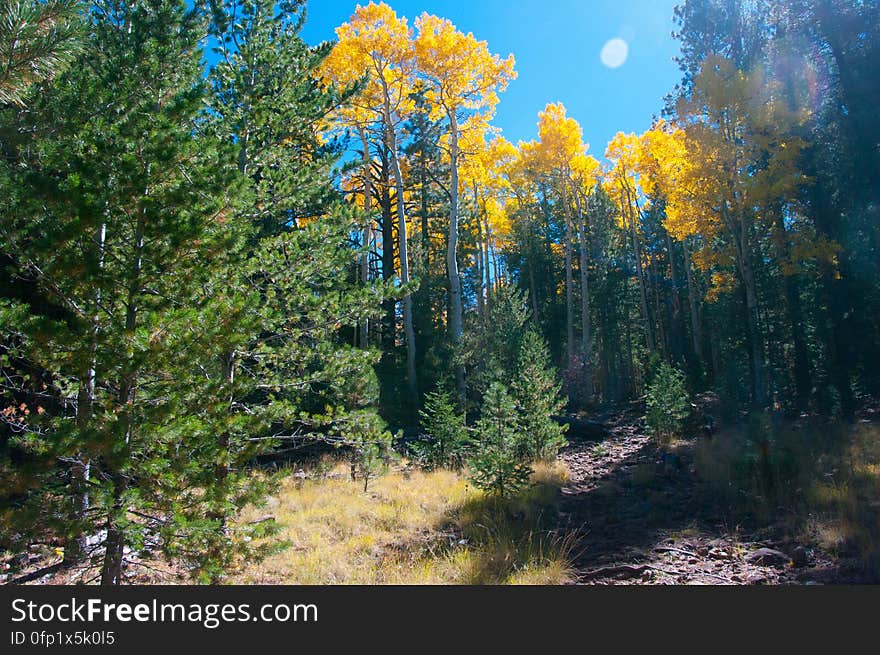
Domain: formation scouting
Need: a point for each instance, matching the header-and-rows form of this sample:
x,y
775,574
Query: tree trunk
x,y
677,329
221,469
111,570
837,300
640,274
497,266
408,330
586,343
388,268
629,354
643,291
75,549
533,290
694,303
662,336
482,262
759,384
456,310
423,200
795,317
364,331
487,259
569,281
836,296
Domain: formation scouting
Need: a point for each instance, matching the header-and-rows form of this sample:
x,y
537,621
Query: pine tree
x,y
193,277
271,107
446,431
281,367
491,345
38,38
668,402
495,465
143,310
124,214
369,445
538,399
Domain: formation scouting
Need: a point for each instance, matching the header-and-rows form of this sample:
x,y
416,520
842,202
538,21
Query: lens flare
x,y
614,53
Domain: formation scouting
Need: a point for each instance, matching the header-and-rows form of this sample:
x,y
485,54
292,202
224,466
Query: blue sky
x,y
557,44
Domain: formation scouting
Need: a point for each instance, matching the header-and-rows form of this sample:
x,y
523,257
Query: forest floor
x,y
408,527
651,515
724,507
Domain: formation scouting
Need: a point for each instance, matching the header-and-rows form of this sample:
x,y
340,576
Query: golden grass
x,y
412,528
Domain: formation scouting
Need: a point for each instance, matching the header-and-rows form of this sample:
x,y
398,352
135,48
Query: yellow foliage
x,y
740,142
460,72
557,160
474,156
496,216
377,44
808,246
586,171
722,282
624,152
560,138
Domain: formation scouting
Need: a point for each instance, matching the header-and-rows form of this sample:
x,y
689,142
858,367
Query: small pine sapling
x,y
370,446
537,393
668,402
496,466
447,435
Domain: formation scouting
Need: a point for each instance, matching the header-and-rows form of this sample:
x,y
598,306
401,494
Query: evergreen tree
x,y
118,233
369,445
270,107
38,38
668,402
195,306
269,102
446,431
286,371
538,399
495,464
491,346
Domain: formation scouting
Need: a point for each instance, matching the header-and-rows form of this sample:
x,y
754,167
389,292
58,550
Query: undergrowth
x,y
817,480
413,527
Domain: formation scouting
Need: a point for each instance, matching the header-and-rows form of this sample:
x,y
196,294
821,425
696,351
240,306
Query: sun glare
x,y
615,53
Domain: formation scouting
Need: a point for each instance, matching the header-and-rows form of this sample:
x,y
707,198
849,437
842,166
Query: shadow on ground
x,y
792,503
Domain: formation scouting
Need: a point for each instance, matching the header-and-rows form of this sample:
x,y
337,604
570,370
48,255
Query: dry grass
x,y
412,528
820,481
847,499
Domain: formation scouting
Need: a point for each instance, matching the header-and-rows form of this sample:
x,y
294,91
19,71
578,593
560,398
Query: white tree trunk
x,y
455,302
409,331
367,231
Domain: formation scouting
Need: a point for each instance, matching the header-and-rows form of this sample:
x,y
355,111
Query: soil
x,y
643,516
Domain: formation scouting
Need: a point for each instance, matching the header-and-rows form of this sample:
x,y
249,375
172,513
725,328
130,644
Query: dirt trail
x,y
644,517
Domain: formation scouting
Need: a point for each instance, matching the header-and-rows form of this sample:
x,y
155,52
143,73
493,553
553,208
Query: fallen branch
x,y
58,566
262,519
618,571
669,549
626,571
